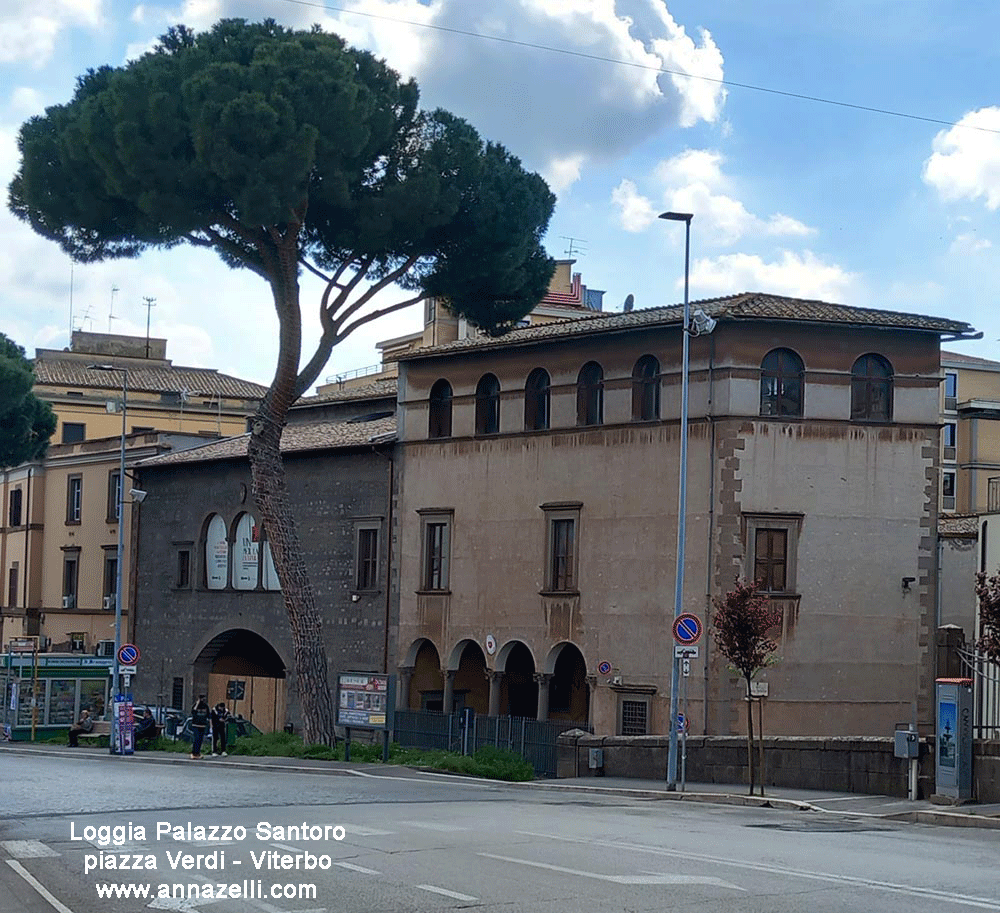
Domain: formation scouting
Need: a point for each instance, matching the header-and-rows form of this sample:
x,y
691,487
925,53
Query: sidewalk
x,y
888,808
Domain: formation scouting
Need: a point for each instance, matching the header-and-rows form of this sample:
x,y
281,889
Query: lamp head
x,y
701,323
138,494
677,216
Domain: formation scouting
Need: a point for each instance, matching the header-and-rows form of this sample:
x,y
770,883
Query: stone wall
x,y
856,765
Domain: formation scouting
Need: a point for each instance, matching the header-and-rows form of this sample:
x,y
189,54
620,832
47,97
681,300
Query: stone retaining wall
x,y
856,765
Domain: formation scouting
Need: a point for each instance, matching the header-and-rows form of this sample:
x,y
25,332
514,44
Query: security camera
x,y
138,494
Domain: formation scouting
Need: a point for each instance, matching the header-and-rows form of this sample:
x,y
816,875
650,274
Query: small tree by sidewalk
x,y
742,620
988,594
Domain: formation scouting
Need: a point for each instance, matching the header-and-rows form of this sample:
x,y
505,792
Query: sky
x,y
628,108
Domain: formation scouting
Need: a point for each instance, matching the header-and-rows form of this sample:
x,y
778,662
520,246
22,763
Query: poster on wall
x,y
247,548
364,700
216,554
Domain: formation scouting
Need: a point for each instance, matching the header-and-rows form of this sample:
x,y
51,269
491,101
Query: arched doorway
x,y
471,686
426,686
569,693
245,671
518,689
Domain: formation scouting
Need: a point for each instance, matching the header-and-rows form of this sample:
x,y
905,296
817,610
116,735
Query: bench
x,y
101,728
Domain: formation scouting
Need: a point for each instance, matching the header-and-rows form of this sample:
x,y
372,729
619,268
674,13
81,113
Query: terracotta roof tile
x,y
744,306
379,389
295,439
147,378
970,360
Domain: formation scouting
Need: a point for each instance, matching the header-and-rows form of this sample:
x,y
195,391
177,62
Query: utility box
x,y
907,744
595,759
953,762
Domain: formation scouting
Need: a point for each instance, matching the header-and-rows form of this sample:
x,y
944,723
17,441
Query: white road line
x,y
27,849
966,900
285,846
432,826
454,895
355,830
357,868
38,886
622,879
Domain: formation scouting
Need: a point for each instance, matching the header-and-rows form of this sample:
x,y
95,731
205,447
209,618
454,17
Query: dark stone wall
x,y
174,627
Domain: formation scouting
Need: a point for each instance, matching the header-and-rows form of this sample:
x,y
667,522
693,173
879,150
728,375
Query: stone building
x,y
537,520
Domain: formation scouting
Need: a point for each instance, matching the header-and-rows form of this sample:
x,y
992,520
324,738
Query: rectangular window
x,y
634,717
110,579
71,574
436,556
74,498
948,434
12,587
950,390
772,546
771,560
562,522
947,490
366,575
114,495
183,568
14,507
78,642
73,432
563,551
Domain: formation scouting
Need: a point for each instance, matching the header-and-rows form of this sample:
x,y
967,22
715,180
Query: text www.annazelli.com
x,y
238,890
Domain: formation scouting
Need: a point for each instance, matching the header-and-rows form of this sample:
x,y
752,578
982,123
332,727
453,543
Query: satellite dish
x,y
629,302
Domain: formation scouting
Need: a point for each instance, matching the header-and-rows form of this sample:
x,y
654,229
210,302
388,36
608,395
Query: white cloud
x,y
563,173
969,243
965,164
29,28
693,181
802,275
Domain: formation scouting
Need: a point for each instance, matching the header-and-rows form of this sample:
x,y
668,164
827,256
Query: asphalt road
x,y
423,842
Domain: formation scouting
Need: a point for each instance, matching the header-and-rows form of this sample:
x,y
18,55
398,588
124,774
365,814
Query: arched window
x,y
439,421
488,405
216,553
871,389
246,553
590,394
781,385
646,389
536,400
268,573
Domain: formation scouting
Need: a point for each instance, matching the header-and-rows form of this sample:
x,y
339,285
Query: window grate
x,y
634,718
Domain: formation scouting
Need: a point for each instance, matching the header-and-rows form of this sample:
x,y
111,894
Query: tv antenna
x,y
149,304
576,246
111,310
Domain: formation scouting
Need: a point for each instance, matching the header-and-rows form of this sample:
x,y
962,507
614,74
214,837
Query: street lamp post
x,y
686,218
121,552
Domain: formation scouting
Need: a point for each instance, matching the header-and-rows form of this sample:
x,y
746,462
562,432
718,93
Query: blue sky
x,y
789,195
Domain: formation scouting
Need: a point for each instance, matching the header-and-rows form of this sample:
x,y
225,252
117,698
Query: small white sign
x,y
686,666
491,644
126,670
758,689
683,652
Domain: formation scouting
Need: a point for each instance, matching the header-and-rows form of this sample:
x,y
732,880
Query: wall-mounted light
x,y
138,494
906,583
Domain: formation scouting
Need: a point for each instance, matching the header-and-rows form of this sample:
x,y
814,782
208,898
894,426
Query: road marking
x,y
967,900
432,826
27,849
355,830
454,895
291,849
357,868
38,886
622,879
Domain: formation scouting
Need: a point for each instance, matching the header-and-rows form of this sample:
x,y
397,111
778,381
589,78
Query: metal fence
x,y
533,740
986,693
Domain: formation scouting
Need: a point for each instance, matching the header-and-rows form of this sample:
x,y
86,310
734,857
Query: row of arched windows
x,y
782,389
238,557
782,386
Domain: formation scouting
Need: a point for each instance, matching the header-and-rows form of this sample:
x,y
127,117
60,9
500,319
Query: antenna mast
x,y
149,304
111,310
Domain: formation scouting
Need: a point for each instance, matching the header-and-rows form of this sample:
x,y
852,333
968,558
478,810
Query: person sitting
x,y
84,724
145,728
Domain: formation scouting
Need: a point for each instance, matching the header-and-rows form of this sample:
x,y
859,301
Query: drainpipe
x,y
388,564
711,525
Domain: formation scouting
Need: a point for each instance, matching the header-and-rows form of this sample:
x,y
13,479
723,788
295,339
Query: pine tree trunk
x,y
750,768
271,497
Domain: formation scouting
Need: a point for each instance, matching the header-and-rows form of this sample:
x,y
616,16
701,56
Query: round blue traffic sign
x,y
128,655
687,629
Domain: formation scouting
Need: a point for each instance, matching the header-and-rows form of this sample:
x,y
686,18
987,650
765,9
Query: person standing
x,y
200,720
84,724
220,723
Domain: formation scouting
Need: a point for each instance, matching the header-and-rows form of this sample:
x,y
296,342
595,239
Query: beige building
x,y
970,436
538,500
58,541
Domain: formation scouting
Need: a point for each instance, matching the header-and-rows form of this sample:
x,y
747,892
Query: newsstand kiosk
x,y
953,767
